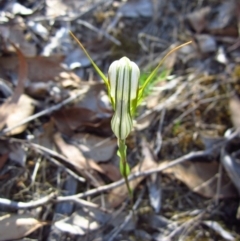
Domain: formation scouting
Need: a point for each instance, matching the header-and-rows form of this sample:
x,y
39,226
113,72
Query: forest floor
x,y
59,168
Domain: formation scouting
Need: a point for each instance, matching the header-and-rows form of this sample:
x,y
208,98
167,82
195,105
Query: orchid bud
x,y
123,77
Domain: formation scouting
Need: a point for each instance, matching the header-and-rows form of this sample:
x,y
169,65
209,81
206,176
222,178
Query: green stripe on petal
x,y
123,78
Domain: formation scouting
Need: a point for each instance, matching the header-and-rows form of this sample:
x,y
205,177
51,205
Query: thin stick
x,y
25,205
76,197
138,174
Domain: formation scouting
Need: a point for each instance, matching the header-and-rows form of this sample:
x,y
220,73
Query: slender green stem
x,y
124,167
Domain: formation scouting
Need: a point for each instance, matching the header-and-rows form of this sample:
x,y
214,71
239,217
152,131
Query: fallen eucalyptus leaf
x,y
15,226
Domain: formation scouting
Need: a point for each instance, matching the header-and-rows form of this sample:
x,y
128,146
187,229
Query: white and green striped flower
x,y
123,77
123,89
125,95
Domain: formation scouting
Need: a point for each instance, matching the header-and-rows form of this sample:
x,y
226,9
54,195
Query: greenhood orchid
x,y
125,95
123,76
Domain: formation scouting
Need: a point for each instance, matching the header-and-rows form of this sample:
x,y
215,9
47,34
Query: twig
x,y
42,201
88,204
75,198
25,205
35,170
138,174
44,112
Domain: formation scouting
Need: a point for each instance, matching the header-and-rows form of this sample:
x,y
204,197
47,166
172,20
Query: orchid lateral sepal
x,y
101,74
154,72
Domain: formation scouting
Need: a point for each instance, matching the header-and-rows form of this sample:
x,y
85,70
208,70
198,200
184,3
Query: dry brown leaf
x,y
3,159
206,43
224,13
45,138
198,19
234,105
14,32
200,177
14,151
96,100
119,194
86,167
69,79
40,68
91,113
69,119
222,22
7,108
20,111
111,171
95,147
38,89
15,226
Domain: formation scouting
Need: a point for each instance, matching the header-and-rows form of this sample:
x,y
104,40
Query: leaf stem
x,y
124,167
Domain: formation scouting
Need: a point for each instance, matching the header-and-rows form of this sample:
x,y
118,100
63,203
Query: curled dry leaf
x,y
11,104
94,147
201,177
16,226
20,111
40,68
111,171
86,167
70,119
